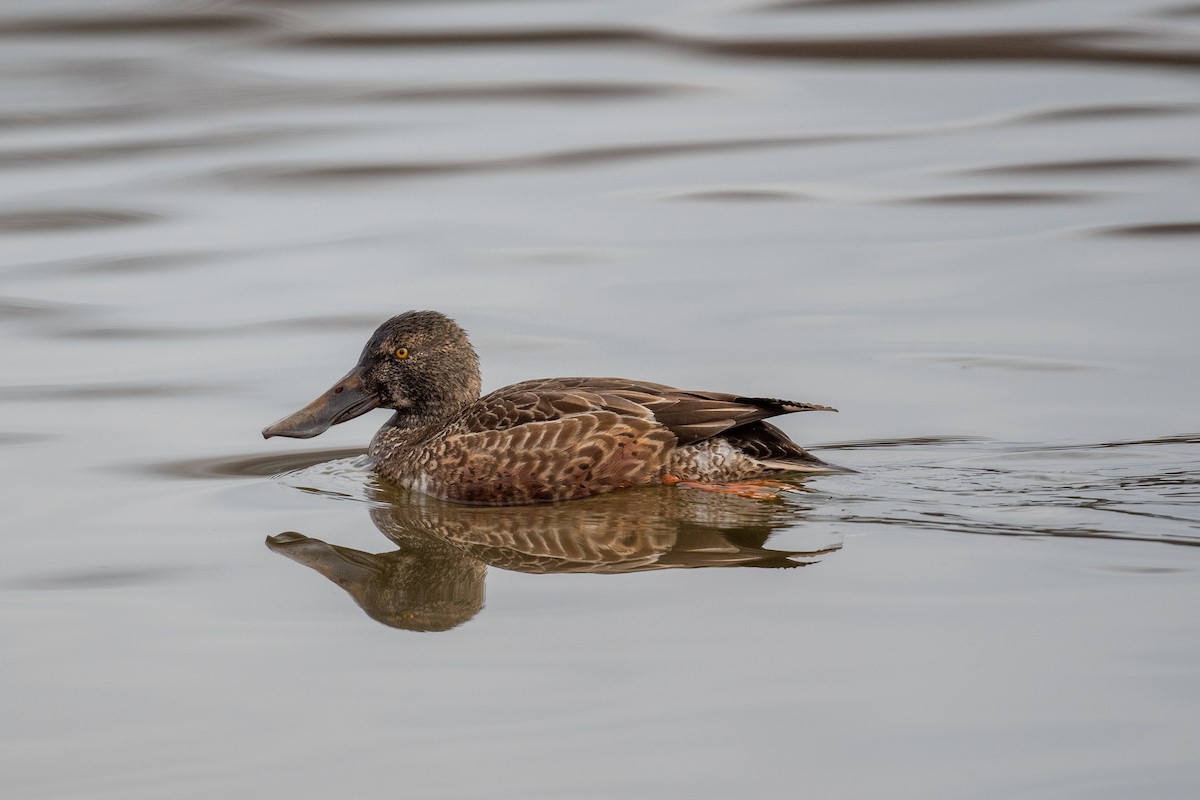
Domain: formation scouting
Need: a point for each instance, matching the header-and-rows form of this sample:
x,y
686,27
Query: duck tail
x,y
772,448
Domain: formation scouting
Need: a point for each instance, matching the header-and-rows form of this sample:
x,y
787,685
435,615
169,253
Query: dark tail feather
x,y
772,447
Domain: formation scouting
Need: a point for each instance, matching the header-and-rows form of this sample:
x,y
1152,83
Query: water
x,y
972,227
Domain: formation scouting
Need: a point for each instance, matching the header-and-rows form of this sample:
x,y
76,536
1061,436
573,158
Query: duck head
x,y
419,363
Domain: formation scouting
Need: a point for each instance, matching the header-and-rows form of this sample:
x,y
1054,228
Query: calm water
x,y
972,227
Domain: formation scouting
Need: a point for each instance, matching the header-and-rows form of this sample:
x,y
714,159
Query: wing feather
x,y
690,416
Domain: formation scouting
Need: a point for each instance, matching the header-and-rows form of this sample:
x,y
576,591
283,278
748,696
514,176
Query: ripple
x,y
77,151
20,308
323,322
737,196
1135,570
124,333
330,322
63,219
555,92
1102,113
1166,229
468,38
104,391
1094,165
1019,363
908,441
807,5
553,159
1101,45
1182,438
16,438
88,115
1085,46
100,24
1000,198
558,256
1191,10
251,466
99,579
124,265
343,478
1093,490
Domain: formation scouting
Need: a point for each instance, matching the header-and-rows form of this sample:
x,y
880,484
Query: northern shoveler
x,y
545,440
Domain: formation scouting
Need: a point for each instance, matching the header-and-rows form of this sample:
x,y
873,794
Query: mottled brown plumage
x,y
541,440
435,580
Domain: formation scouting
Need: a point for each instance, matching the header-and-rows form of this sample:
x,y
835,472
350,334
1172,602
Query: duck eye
x,y
401,352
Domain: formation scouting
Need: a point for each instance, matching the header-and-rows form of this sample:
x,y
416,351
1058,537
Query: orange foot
x,y
754,490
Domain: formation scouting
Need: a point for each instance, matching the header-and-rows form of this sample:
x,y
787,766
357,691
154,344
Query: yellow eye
x,y
401,352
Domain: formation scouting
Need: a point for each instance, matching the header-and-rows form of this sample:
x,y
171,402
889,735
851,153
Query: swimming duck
x,y
545,440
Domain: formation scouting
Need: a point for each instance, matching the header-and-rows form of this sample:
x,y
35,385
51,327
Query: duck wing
x,y
690,416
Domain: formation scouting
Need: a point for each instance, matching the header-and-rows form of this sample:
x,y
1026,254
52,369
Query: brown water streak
x,y
1093,165
1154,229
132,23
563,158
62,219
1085,46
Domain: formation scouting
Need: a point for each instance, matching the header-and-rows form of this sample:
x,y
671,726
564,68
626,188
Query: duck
x,y
551,439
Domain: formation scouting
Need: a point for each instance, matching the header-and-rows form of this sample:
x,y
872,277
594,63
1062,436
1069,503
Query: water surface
x,y
972,227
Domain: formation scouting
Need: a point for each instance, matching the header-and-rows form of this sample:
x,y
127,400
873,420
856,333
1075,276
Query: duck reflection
x,y
435,580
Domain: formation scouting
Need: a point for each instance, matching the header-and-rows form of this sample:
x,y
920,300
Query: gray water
x,y
973,227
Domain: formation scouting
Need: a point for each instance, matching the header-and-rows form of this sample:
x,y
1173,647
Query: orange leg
x,y
762,489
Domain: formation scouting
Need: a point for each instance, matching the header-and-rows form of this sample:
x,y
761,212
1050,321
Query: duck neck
x,y
397,445
430,417
415,427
